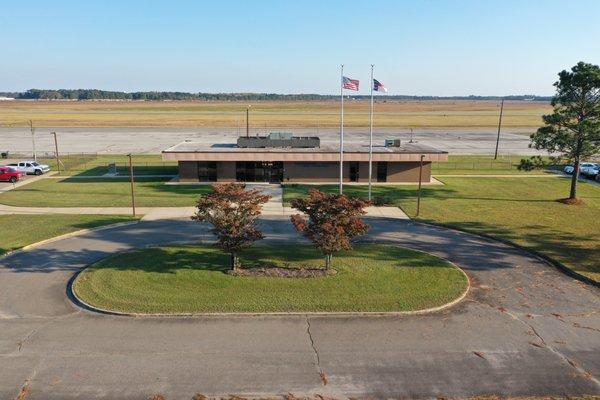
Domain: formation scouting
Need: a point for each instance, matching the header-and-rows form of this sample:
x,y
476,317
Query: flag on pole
x,y
350,84
378,86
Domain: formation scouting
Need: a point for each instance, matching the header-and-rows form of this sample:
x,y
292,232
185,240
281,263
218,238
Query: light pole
x,y
33,139
419,190
499,126
56,152
132,185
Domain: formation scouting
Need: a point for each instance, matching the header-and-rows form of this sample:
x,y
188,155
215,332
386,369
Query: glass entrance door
x,y
259,171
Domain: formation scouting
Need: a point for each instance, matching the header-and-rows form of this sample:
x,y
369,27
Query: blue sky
x,y
480,47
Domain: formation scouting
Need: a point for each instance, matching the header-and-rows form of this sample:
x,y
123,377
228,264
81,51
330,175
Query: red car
x,y
10,174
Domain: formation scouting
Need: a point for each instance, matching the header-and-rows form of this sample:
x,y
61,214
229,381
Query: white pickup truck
x,y
31,167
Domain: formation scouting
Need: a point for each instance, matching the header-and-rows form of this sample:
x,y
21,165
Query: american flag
x,y
350,84
378,86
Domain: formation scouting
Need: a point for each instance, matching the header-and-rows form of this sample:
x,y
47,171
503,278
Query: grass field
x,y
20,230
484,165
192,279
521,210
102,192
309,114
97,164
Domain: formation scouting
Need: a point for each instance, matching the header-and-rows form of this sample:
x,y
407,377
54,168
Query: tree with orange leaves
x,y
232,211
333,221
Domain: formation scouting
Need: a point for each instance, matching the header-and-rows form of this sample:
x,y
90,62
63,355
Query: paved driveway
x,y
525,329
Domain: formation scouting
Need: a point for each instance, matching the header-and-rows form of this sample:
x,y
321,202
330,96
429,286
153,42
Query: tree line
x,y
96,94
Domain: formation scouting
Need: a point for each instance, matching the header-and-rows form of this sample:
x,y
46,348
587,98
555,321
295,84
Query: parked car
x,y
586,168
10,174
31,167
590,170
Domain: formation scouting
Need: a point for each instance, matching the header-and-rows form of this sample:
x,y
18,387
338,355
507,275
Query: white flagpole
x,y
342,131
371,135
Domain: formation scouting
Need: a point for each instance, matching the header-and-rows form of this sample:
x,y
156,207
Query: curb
x,y
552,262
77,302
66,236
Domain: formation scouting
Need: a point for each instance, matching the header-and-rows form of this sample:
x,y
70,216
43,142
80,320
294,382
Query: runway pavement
x,y
524,329
154,140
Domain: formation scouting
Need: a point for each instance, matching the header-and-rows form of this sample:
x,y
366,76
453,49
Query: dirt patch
x,y
571,201
278,272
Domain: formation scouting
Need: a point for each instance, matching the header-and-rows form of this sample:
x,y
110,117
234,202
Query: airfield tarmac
x,y
479,141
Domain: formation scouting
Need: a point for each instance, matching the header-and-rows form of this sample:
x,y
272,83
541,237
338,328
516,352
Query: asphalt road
x,y
525,329
154,140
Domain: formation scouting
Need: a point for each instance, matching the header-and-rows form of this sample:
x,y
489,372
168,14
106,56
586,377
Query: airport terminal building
x,y
283,158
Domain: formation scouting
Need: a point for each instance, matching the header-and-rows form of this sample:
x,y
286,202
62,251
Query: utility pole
x,y
248,121
33,139
132,186
56,152
499,126
419,190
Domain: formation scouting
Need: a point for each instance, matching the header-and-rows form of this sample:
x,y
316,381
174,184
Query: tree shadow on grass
x,y
167,260
576,251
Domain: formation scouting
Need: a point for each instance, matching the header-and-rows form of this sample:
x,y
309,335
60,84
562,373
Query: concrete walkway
x,y
525,329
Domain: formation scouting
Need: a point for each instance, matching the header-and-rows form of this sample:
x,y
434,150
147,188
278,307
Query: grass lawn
x,y
97,165
102,192
192,279
482,165
522,210
20,230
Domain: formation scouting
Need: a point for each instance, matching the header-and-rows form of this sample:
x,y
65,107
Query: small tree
x,y
233,212
333,220
573,129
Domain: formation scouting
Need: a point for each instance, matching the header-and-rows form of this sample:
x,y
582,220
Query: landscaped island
x,y
195,279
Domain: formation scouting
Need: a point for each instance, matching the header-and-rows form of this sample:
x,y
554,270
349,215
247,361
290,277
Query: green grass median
x,y
193,279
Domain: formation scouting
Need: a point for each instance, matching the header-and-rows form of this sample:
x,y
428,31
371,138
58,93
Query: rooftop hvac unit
x,y
280,136
392,143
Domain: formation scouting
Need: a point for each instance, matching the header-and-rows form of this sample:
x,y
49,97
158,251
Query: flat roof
x,y
405,148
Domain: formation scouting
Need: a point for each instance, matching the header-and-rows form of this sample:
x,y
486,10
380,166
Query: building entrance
x,y
259,171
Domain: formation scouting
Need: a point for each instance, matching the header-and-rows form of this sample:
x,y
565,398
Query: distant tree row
x,y
96,94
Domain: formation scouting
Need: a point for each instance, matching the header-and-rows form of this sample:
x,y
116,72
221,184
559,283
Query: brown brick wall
x,y
407,172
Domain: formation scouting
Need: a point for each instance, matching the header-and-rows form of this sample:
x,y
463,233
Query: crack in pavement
x,y
317,357
566,359
24,391
26,338
545,345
